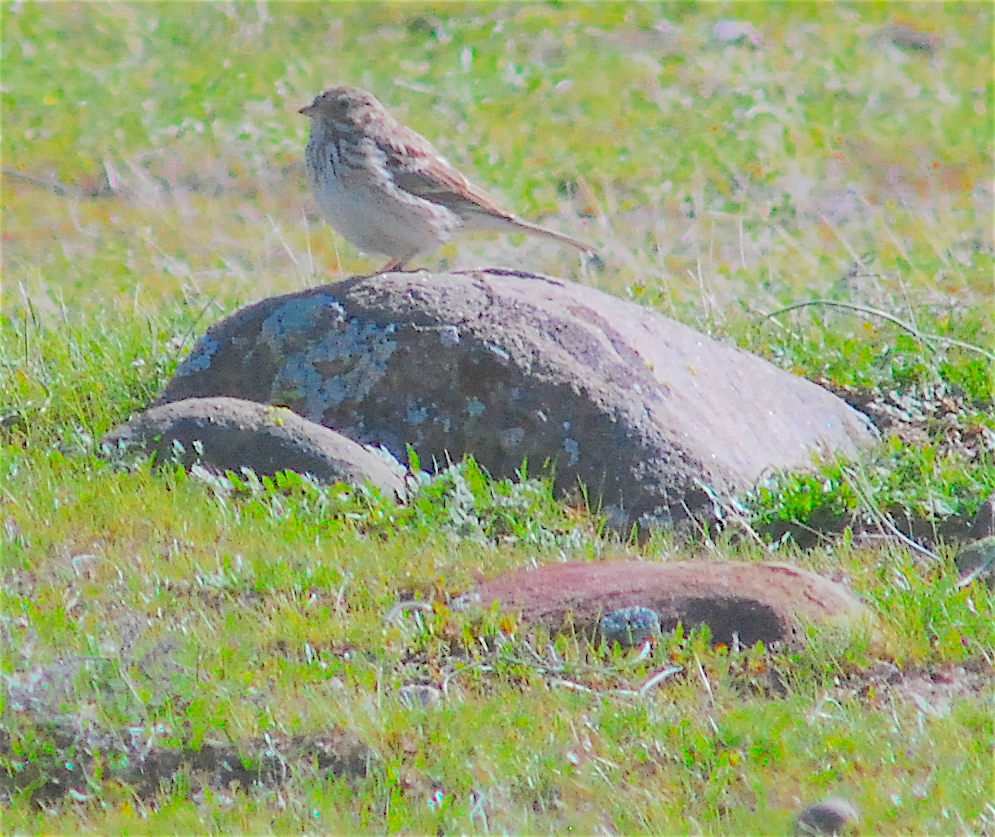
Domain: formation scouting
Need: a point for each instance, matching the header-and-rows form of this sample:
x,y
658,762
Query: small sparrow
x,y
385,187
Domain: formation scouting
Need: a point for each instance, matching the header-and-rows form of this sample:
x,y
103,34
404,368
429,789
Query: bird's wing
x,y
417,168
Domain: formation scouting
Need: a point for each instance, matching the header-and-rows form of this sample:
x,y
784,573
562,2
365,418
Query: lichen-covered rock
x,y
652,417
226,434
737,600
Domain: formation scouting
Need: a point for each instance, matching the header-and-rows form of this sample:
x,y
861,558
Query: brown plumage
x,y
385,187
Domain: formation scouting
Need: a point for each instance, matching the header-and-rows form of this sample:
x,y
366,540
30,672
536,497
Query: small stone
x,y
976,561
13,424
420,695
630,626
983,525
831,816
911,38
228,434
736,32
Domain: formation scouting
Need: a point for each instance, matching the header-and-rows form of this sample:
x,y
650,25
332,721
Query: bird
x,y
386,188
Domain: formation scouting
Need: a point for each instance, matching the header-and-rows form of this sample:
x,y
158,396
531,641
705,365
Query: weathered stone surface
x,y
767,602
830,817
650,415
228,433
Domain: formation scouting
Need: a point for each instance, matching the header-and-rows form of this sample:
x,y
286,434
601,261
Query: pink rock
x,y
766,602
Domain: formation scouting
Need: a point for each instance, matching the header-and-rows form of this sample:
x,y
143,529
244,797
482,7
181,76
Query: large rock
x,y
652,417
225,434
753,602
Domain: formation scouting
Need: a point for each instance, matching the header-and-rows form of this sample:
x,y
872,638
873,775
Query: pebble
x,y
976,561
630,626
830,817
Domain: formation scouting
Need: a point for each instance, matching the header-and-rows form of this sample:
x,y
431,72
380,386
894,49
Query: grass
x,y
157,184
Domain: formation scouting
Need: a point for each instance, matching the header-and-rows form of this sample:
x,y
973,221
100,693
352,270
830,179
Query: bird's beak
x,y
306,109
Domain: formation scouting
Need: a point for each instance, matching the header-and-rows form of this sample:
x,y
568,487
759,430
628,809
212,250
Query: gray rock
x,y
831,817
654,418
910,38
630,626
983,525
226,434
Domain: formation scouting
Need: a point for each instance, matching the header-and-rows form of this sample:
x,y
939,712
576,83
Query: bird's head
x,y
343,104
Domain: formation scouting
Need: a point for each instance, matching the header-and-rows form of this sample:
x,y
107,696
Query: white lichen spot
x,y
282,328
500,353
571,447
512,437
474,407
661,519
200,358
357,351
449,335
416,415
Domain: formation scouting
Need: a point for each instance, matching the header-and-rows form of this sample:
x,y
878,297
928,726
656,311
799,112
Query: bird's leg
x,y
397,263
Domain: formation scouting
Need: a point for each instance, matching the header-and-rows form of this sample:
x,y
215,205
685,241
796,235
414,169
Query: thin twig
x,y
659,677
64,190
883,521
875,312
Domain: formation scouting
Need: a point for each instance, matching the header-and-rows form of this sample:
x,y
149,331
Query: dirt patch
x,y
133,758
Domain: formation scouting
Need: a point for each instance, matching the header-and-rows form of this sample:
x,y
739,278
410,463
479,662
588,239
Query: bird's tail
x,y
510,223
